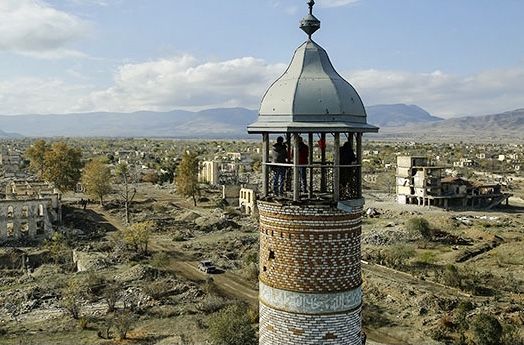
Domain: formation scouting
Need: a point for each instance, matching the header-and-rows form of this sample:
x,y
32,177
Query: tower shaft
x,y
310,275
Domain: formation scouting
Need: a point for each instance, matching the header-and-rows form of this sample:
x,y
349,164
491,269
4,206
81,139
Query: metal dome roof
x,y
311,95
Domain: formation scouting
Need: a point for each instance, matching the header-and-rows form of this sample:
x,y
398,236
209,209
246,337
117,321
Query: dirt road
x,y
235,286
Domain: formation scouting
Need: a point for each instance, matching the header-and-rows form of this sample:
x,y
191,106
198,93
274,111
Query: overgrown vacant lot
x,y
430,272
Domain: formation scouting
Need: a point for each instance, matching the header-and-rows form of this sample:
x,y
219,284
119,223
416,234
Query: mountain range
x,y
507,126
394,120
393,115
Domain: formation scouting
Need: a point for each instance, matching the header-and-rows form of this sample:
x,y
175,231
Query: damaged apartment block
x,y
29,211
421,182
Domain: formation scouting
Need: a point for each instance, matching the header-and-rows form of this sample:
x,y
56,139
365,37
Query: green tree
x,y
62,166
187,176
487,330
97,179
231,326
137,235
36,155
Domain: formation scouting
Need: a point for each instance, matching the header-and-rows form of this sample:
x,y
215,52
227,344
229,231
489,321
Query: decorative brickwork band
x,y
310,303
309,248
283,328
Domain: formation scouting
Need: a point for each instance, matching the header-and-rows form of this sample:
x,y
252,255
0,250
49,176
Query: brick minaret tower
x,y
311,203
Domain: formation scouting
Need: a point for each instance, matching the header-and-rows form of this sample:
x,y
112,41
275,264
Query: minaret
x,y
311,202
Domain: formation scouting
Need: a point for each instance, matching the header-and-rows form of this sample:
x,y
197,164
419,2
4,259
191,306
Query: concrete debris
x,y
137,273
89,261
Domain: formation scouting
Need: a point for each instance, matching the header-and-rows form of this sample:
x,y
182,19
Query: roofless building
x,y
311,203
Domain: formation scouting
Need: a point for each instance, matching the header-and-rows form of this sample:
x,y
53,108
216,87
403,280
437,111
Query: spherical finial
x,y
310,23
311,3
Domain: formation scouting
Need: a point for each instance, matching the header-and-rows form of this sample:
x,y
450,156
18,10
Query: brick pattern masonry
x,y
282,328
309,249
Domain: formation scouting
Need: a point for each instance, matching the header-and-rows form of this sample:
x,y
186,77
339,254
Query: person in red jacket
x,y
303,159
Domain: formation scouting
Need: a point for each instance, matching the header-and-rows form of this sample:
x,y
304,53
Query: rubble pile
x,y
383,237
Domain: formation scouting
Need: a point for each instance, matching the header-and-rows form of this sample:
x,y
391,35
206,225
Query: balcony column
x,y
311,145
265,168
287,179
296,169
336,168
359,161
323,179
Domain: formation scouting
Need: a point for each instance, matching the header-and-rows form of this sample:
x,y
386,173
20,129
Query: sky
x,y
451,57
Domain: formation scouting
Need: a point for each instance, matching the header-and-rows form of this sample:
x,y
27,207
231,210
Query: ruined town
x,y
318,224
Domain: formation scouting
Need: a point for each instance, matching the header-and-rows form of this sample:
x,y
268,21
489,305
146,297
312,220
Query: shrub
x,y
419,225
231,326
71,296
427,258
512,336
111,294
123,322
83,322
397,255
211,304
451,276
160,260
487,330
250,272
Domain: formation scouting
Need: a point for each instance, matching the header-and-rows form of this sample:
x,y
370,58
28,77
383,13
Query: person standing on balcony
x,y
347,157
303,159
279,156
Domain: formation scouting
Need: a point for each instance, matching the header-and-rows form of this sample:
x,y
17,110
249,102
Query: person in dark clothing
x,y
347,157
303,159
279,155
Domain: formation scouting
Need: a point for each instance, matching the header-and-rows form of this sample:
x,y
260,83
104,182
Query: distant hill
x,y
507,126
395,121
5,135
393,115
212,123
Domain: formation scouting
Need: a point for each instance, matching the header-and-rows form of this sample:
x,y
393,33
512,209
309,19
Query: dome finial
x,y
311,3
310,23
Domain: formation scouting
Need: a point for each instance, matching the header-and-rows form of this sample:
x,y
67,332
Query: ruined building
x,y
29,211
10,163
421,182
310,210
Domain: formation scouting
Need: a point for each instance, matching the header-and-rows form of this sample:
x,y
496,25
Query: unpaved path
x,y
235,286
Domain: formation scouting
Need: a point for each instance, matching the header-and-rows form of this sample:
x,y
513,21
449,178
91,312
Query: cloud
x,y
443,94
28,95
185,82
336,3
34,28
91,2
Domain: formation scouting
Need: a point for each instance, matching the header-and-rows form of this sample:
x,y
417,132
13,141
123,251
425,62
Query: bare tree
x,y
127,179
